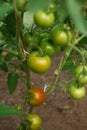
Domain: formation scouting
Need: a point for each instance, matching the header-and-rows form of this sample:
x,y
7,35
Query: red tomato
x,y
36,96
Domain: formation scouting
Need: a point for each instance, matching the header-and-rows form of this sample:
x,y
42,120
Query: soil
x,y
60,112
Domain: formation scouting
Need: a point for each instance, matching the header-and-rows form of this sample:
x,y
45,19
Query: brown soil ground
x,y
60,111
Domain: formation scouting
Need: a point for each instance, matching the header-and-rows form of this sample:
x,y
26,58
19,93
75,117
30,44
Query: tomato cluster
x,y
35,97
45,42
77,89
81,74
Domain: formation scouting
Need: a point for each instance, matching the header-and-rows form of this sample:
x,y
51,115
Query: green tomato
x,y
38,64
43,19
60,36
35,121
48,48
77,92
22,5
81,74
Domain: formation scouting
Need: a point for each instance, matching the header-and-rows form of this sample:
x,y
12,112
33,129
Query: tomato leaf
x,y
74,9
5,8
6,110
3,64
12,81
70,65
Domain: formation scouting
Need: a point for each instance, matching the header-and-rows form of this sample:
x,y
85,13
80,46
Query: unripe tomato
x,y
48,48
61,36
81,74
77,92
43,19
38,64
36,96
21,5
35,121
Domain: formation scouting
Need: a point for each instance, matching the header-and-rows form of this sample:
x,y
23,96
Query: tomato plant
x,y
38,64
34,120
77,92
36,96
43,19
51,28
81,74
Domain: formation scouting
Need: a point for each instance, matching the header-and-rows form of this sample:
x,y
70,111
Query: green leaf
x,y
74,9
6,110
4,9
12,81
62,14
4,66
70,65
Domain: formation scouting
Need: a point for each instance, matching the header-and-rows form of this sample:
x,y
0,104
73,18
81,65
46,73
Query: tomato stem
x,y
19,45
31,109
28,77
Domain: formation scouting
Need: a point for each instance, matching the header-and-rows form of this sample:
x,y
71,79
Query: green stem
x,y
19,44
31,109
22,79
36,46
28,77
6,50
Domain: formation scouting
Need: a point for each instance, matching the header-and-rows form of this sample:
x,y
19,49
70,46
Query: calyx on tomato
x,y
48,47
